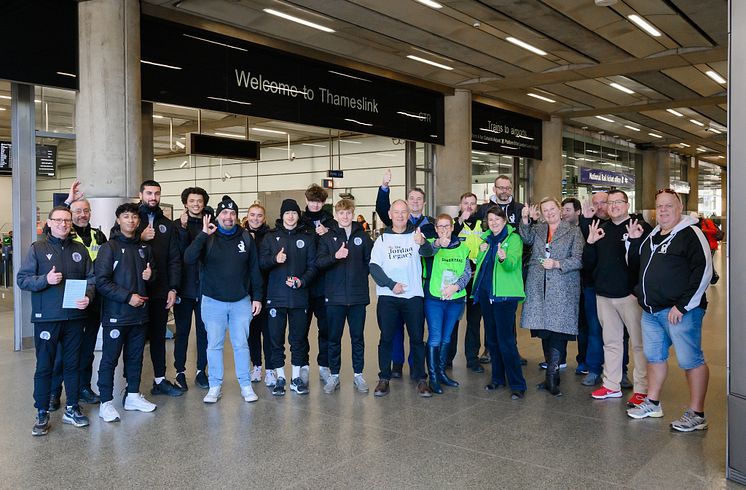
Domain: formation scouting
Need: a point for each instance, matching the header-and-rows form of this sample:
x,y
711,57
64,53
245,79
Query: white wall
x,y
6,204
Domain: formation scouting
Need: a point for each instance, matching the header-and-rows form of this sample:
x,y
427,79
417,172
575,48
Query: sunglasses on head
x,y
668,191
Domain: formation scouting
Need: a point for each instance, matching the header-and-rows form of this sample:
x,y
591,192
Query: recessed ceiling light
x,y
272,131
526,45
313,144
157,116
298,20
715,131
433,63
675,112
655,135
605,119
5,97
631,127
3,109
694,121
180,144
65,74
685,145
431,4
351,142
644,25
541,97
622,88
700,149
229,135
162,65
715,76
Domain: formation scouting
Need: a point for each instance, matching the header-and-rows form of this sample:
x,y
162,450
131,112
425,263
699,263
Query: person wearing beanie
x,y
232,289
318,222
288,254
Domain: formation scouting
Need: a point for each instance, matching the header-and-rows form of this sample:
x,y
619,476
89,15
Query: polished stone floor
x,y
466,438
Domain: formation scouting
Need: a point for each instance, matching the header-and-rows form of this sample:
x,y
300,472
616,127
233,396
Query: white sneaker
x,y
247,392
107,412
213,395
270,379
324,373
256,374
304,370
360,384
135,401
332,383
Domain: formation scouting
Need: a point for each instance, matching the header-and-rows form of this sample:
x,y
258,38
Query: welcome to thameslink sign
x,y
610,178
507,133
202,69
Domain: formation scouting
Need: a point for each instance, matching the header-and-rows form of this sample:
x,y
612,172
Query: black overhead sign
x,y
191,67
507,133
46,160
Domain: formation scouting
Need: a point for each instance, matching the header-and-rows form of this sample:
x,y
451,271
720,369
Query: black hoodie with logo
x,y
346,279
309,221
165,248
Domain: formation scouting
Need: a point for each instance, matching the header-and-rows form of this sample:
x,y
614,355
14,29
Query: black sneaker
x,y
181,382
279,389
54,403
165,387
298,386
476,368
41,425
87,395
74,416
201,380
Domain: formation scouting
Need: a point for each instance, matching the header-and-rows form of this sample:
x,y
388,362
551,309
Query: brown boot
x,y
423,389
382,388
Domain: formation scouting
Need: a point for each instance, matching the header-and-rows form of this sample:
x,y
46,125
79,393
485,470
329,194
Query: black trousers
x,y
295,320
355,316
558,342
259,339
391,312
183,319
317,306
131,339
87,347
48,338
582,333
156,333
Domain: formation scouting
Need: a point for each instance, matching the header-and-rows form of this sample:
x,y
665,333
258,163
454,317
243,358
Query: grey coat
x,y
553,296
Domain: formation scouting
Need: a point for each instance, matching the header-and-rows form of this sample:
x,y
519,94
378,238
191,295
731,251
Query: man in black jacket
x,y
344,254
50,262
189,225
124,267
675,271
232,288
289,254
163,237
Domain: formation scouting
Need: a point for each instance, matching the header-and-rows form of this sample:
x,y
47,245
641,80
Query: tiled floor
x,y
466,438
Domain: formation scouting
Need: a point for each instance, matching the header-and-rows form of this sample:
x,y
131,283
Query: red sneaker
x,y
636,399
604,393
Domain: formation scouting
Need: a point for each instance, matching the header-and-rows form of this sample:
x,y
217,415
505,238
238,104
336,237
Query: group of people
x,y
589,272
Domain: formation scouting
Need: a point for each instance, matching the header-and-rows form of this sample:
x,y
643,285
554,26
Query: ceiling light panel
x,y
541,97
675,112
621,88
429,62
644,25
716,76
298,20
526,46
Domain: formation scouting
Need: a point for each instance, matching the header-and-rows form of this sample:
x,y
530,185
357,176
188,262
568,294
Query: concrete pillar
x,y
724,198
692,176
663,169
108,112
453,160
148,162
736,254
547,173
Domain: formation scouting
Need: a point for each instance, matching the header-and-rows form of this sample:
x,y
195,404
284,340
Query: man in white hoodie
x,y
396,268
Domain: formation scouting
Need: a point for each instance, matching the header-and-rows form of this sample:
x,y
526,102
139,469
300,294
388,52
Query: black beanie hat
x,y
226,203
289,205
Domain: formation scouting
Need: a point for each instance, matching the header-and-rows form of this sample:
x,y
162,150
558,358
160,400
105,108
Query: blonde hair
x,y
549,199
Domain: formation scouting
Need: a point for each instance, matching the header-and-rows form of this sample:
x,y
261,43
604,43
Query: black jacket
x,y
614,274
190,286
675,269
308,221
300,248
346,279
165,248
259,235
229,265
586,273
426,224
513,211
119,267
68,257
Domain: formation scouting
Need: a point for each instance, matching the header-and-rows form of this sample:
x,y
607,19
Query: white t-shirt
x,y
399,257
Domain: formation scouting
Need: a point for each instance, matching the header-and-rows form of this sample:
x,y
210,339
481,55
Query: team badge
x,y
45,335
162,228
241,247
300,243
142,253
358,241
77,257
114,334
272,312
49,256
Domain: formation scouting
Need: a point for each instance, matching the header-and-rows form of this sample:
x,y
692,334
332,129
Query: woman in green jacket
x,y
498,287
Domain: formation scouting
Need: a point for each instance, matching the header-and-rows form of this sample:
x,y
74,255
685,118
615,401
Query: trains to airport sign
x,y
499,131
192,67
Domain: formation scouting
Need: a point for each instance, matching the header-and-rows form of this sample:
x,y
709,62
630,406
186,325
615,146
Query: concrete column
x,y
692,176
736,254
108,113
547,173
663,169
453,160
148,162
724,198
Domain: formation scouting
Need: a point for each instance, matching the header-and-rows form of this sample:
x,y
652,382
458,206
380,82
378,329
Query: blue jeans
x,y
594,354
236,317
441,318
499,317
686,337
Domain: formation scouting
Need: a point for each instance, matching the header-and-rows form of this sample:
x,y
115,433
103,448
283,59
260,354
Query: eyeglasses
x,y
443,227
619,201
503,188
60,221
668,191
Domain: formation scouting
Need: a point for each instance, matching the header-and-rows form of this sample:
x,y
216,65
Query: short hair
x,y
504,177
416,189
128,207
619,191
59,208
316,193
401,201
571,200
257,205
549,199
467,194
149,183
194,190
497,211
345,205
82,199
444,216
